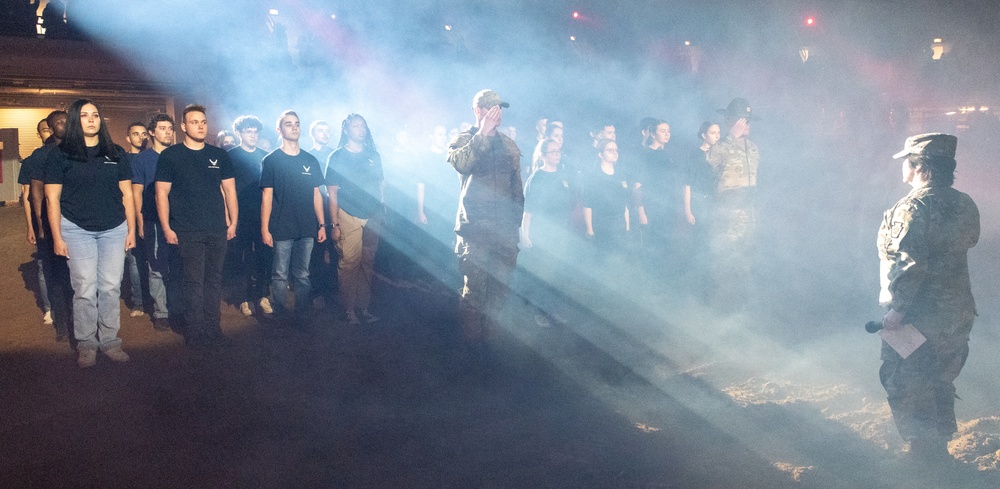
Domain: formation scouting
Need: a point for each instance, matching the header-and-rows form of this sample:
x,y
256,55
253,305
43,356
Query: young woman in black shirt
x,y
88,188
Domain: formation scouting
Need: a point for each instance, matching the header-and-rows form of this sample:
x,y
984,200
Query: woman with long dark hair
x,y
88,188
354,180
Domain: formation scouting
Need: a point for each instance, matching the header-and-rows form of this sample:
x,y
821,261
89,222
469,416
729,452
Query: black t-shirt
x,y
359,176
33,168
294,179
246,171
91,197
548,198
607,196
699,174
662,185
196,202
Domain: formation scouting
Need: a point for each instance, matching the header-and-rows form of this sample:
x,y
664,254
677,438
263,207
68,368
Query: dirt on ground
x,y
386,405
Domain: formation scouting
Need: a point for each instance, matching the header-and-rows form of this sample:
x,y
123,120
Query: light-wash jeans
x,y
156,251
96,265
293,254
135,286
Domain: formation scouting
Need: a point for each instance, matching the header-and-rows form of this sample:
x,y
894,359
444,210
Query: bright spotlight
x,y
687,43
447,27
572,38
273,11
576,15
333,16
810,20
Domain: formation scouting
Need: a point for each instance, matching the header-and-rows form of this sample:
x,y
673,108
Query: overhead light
x,y
273,11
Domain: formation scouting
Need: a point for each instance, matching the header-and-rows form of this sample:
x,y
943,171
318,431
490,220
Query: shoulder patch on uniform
x,y
896,229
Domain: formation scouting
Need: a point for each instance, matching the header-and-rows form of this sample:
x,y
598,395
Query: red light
x,y
810,20
576,15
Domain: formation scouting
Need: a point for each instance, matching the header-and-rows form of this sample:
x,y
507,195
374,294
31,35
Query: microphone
x,y
873,326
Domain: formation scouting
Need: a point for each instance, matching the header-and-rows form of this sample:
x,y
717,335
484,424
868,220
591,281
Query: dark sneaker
x,y
161,324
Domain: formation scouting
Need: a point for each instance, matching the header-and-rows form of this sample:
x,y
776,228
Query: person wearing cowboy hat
x,y
734,161
923,246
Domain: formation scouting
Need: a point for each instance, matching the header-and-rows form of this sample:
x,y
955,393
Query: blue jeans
x,y
294,252
135,286
156,249
96,266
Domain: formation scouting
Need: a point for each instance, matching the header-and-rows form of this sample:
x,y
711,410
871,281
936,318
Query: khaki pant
x,y
356,246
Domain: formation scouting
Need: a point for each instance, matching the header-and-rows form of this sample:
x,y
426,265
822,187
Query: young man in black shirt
x,y
291,215
248,260
54,267
198,219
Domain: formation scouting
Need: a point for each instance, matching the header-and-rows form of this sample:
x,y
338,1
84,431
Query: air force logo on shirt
x,y
213,163
109,161
305,170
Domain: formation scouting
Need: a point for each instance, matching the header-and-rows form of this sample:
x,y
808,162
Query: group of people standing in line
x,y
88,203
265,221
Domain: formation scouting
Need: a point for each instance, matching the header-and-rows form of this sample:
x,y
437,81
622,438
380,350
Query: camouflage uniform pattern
x,y
923,244
489,218
734,163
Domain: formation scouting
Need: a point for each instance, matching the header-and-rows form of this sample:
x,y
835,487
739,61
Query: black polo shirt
x,y
91,197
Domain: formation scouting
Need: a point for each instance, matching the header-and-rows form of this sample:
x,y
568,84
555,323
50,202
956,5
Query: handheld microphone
x,y
873,326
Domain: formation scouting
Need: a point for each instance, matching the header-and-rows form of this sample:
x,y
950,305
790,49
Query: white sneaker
x,y
265,306
352,318
87,358
368,317
136,313
542,321
245,309
116,354
47,318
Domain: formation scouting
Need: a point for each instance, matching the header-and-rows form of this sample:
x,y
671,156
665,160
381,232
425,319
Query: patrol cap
x,y
488,99
929,144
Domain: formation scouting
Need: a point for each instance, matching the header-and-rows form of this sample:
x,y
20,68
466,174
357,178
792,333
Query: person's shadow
x,y
29,275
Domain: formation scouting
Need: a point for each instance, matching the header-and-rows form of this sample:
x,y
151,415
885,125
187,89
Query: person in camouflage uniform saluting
x,y
734,162
923,245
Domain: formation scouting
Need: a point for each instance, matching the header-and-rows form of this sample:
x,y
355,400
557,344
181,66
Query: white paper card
x,y
904,340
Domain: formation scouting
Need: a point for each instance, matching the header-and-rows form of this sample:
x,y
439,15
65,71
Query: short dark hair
x,y
136,123
38,127
192,108
935,169
156,119
245,122
50,119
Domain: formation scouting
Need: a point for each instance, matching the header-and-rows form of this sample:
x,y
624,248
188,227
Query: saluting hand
x,y
740,129
490,120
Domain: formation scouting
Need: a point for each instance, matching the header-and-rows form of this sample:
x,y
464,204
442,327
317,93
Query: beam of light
x,y
232,63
